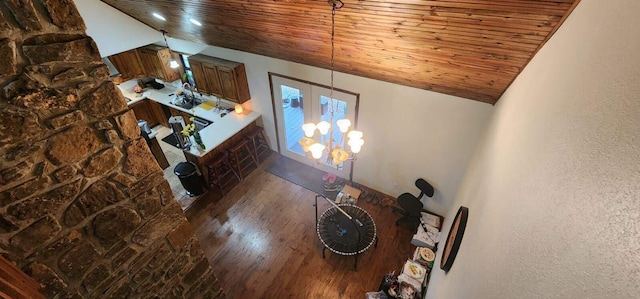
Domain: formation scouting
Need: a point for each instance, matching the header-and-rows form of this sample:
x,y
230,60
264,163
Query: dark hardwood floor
x,y
261,241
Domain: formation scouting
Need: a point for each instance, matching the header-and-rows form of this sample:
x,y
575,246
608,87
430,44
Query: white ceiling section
x,y
553,189
113,31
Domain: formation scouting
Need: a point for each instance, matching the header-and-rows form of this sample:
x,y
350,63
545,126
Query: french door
x,y
296,103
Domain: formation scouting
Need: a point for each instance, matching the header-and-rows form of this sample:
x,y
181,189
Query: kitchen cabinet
x,y
223,78
213,80
142,111
128,64
150,111
158,113
155,61
229,82
197,69
149,61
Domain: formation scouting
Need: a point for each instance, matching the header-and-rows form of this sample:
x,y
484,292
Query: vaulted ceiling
x,y
468,48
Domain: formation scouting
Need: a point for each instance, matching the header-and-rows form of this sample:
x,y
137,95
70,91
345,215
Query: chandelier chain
x,y
333,25
335,5
164,36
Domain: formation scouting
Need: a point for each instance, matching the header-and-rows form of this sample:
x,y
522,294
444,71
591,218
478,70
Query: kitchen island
x,y
223,131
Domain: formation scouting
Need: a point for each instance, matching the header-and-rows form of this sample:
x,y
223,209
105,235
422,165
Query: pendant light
x,y
173,63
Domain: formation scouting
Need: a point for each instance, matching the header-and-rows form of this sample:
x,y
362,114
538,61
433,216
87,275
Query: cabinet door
x,y
158,113
164,57
132,60
228,82
128,64
142,111
117,62
179,72
242,84
198,76
147,57
213,80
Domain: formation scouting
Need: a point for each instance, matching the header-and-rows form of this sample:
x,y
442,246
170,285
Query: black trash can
x,y
189,177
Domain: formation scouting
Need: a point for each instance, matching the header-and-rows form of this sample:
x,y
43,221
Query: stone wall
x,y
84,208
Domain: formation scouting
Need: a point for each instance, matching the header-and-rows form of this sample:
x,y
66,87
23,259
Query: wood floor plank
x,y
261,241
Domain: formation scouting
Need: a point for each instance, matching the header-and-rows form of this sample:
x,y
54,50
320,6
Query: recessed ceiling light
x,y
195,22
159,16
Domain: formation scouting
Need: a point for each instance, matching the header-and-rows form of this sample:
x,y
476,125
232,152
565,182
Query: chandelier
x,y
332,153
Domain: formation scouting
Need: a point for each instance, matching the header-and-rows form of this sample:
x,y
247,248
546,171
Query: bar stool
x,y
259,143
221,173
243,157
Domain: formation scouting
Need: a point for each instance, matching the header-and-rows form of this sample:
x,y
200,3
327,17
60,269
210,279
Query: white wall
x,y
112,30
409,133
553,189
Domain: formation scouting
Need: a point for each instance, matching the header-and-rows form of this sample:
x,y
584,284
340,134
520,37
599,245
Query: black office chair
x,y
410,206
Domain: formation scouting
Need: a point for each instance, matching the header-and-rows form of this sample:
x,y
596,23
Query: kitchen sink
x,y
187,102
185,105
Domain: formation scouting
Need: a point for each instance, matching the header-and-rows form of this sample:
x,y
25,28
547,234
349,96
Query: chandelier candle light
x,y
334,153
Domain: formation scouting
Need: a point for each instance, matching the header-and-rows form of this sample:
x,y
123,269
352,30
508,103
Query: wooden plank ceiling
x,y
468,48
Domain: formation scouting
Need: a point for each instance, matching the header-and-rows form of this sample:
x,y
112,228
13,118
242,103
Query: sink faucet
x,y
217,101
188,87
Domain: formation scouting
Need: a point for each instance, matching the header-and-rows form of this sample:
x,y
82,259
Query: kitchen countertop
x,y
221,129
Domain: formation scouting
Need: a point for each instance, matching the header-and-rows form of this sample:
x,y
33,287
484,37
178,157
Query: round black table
x,y
346,236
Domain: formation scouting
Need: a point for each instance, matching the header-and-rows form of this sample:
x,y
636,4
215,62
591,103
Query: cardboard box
x,y
353,192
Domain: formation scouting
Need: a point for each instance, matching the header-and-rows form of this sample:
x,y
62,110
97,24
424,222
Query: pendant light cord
x,y
172,62
333,32
335,5
164,36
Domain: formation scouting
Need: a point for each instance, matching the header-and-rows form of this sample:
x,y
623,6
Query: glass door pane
x,y
292,107
291,114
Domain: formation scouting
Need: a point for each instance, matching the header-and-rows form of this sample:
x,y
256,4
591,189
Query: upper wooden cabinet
x,y
128,64
222,78
213,80
198,76
155,60
149,61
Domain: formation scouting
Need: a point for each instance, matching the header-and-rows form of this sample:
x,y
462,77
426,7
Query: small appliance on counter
x,y
150,82
144,126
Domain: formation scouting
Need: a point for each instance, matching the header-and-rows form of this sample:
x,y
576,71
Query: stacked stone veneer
x,y
84,208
